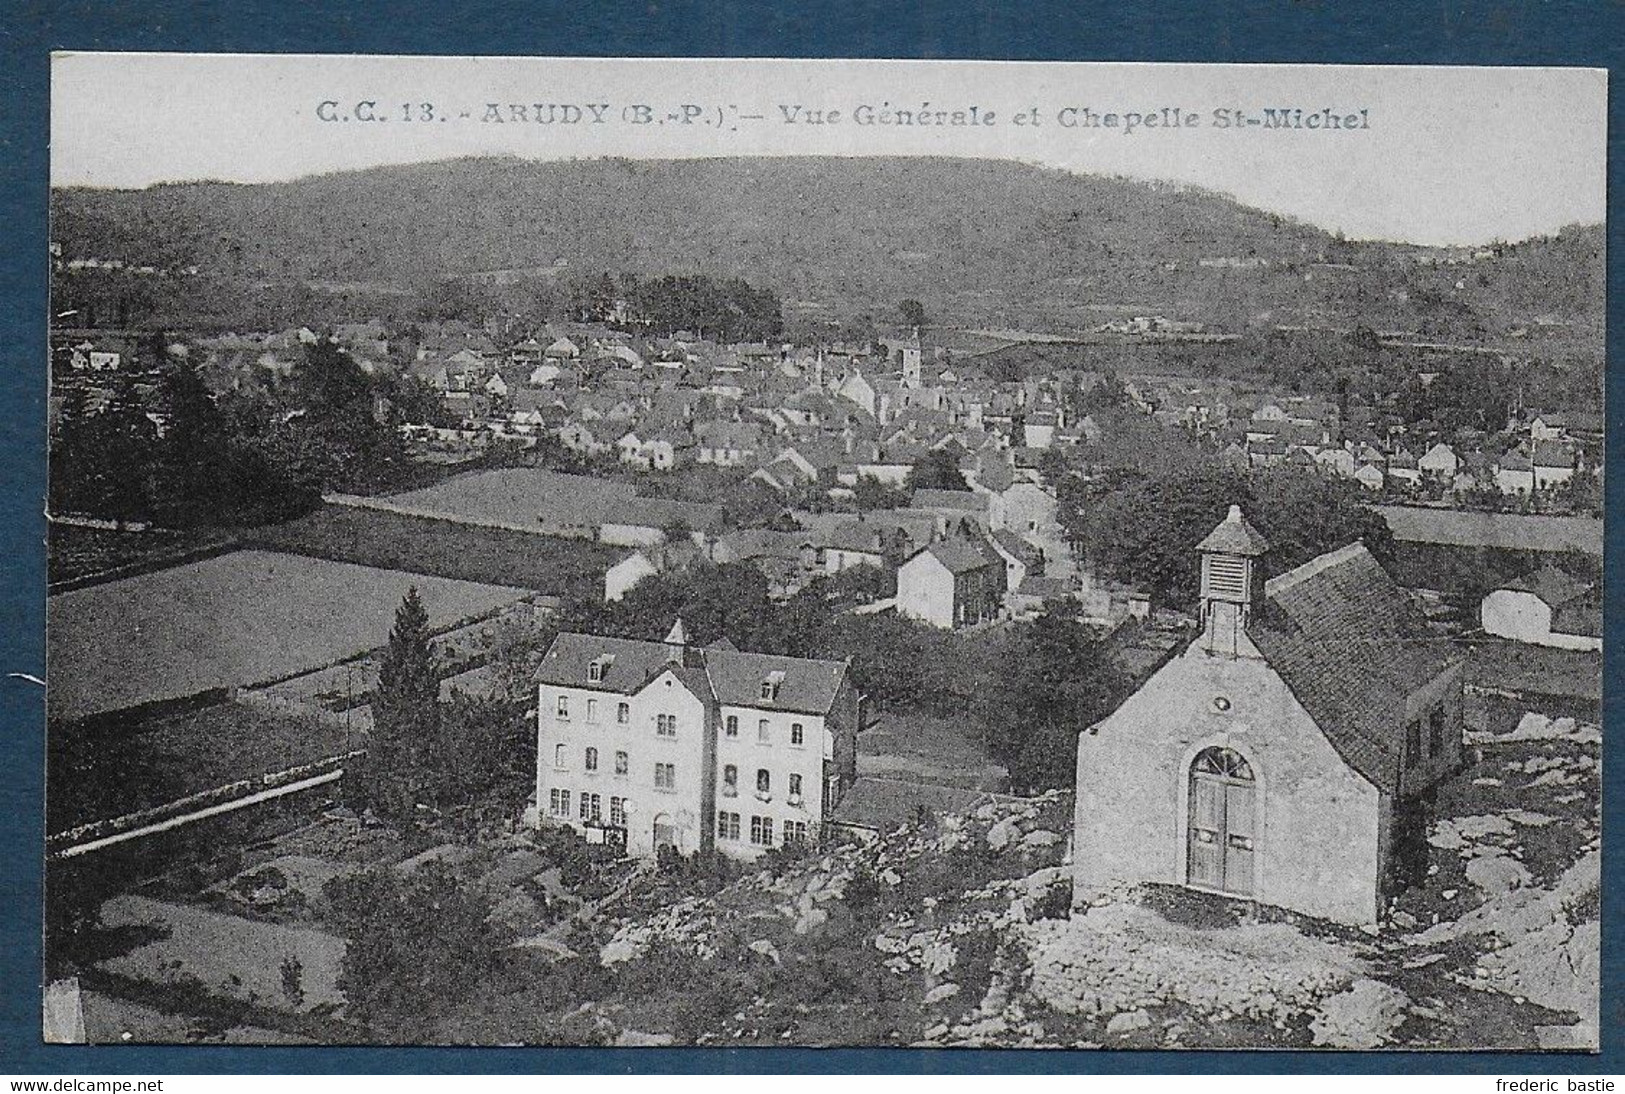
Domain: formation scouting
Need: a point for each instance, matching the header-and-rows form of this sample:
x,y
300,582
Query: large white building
x,y
646,744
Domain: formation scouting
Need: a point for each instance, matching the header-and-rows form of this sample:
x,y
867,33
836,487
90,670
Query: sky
x,y
1436,155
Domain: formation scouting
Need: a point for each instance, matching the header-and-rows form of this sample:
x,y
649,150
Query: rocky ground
x,y
961,933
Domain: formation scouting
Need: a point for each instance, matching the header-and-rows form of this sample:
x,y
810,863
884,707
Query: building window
x,y
727,825
732,725
761,831
617,812
764,733
1413,742
592,710
665,776
730,780
623,713
595,672
1436,732
592,759
558,802
795,789
769,692
764,783
620,763
559,759
590,806
564,706
798,734
666,725
795,833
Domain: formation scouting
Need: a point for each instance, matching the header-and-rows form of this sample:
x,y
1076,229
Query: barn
x,y
1288,754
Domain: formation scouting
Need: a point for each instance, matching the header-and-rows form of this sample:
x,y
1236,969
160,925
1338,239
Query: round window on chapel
x,y
1221,704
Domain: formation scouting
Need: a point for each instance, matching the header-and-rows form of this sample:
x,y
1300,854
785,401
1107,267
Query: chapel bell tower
x,y
1230,580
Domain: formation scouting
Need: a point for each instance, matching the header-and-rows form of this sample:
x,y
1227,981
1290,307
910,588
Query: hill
x,y
978,241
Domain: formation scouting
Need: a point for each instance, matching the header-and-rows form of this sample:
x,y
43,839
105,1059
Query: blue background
x,y
1559,32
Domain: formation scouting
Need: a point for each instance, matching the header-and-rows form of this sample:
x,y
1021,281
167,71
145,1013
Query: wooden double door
x,y
1223,797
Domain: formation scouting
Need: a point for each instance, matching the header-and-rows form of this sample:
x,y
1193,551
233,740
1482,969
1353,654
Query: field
x,y
108,771
524,497
241,618
906,745
444,548
75,553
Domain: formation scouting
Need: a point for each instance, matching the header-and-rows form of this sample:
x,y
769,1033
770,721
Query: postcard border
x,y
1568,33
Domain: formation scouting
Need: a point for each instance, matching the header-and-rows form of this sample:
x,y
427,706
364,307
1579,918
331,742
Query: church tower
x,y
1231,578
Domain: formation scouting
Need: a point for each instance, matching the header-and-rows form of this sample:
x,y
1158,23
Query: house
x,y
953,506
727,444
1440,461
645,745
1545,608
951,583
1021,559
1286,754
1370,476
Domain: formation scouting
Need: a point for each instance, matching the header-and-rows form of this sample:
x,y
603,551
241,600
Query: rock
x,y
1040,837
1496,874
1003,833
1486,781
1403,920
1040,881
1127,1021
1363,1016
1450,894
941,993
891,877
938,958
636,1038
766,949
811,920
938,1030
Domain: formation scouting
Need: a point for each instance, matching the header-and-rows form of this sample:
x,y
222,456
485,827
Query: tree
x,y
395,773
1054,679
913,313
1145,532
937,470
410,941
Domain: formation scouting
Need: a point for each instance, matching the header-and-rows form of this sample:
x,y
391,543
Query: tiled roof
x,y
959,500
1552,585
808,687
1347,642
715,673
1234,536
1015,546
960,557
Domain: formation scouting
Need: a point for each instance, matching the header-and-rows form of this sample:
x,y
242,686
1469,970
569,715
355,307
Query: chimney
x,y
676,642
1230,578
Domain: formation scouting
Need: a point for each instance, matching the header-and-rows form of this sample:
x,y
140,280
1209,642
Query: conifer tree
x,y
397,771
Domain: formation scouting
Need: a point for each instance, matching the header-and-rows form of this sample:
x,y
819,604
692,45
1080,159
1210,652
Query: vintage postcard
x,y
818,553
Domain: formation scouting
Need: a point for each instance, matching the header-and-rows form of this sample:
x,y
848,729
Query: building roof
x,y
715,673
1549,583
1349,645
1513,531
1234,536
958,500
959,557
1015,546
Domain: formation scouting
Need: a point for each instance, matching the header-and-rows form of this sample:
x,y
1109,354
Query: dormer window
x,y
597,667
770,686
